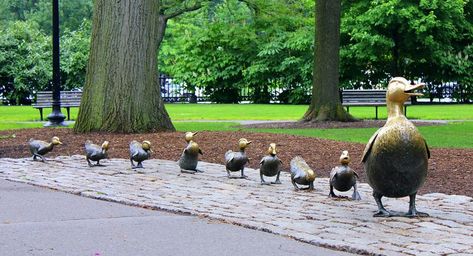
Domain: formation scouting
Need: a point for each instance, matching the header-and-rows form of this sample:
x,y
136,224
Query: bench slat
x,y
68,99
373,98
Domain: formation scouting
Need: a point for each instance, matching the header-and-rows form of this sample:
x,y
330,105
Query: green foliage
x,y
72,13
75,47
25,60
262,45
414,39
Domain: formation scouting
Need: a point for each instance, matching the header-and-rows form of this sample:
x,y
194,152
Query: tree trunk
x,y
121,92
325,104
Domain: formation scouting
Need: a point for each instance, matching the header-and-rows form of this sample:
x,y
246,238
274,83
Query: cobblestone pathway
x,y
306,216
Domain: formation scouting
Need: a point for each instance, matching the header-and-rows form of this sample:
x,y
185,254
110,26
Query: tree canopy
x,y
225,46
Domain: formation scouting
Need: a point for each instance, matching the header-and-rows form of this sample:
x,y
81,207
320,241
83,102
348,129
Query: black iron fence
x,y
450,92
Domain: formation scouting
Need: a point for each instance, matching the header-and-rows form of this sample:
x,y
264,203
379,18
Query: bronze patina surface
x,y
95,152
343,178
302,174
39,148
396,157
270,165
139,152
236,161
190,155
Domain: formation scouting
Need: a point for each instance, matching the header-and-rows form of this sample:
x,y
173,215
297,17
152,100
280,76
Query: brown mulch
x,y
450,170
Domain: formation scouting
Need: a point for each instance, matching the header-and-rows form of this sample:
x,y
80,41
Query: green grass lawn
x,y
455,135
452,135
179,112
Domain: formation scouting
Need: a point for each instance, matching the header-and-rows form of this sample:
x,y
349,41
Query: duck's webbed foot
x,y
188,171
295,185
412,208
263,182
243,176
332,194
382,212
277,181
98,164
355,195
40,156
308,188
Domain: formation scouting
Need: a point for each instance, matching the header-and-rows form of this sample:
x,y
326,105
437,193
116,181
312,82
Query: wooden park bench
x,y
374,98
68,99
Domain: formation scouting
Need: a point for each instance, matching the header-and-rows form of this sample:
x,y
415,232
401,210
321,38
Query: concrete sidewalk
x,y
40,221
306,216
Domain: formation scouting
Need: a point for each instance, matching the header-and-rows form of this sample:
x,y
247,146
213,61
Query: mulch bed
x,y
450,170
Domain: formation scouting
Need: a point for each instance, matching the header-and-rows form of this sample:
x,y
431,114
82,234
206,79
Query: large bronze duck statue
x,y
301,174
343,178
396,157
39,148
190,155
236,161
95,152
139,152
270,165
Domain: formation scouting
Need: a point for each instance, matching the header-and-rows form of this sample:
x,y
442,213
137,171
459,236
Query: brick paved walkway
x,y
306,216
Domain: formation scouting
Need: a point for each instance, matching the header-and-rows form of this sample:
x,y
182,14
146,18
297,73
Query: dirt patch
x,y
449,169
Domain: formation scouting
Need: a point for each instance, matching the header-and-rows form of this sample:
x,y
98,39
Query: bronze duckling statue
x,y
396,156
95,152
236,161
343,178
190,155
270,165
302,174
39,148
139,152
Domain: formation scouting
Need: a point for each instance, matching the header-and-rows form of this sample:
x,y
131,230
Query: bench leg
x,y
68,113
348,109
405,110
376,112
40,114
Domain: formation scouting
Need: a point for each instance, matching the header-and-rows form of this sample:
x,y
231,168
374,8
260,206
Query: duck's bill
x,y
410,90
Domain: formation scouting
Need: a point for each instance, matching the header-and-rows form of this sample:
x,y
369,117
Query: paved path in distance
x,y
305,216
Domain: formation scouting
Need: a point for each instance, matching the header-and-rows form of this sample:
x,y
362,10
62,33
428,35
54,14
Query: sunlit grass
x,y
455,135
180,112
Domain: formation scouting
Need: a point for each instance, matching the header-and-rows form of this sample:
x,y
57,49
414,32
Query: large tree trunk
x,y
121,92
325,103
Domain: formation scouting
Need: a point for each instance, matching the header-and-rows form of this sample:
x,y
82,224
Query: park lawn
x,y
295,112
452,135
455,135
181,112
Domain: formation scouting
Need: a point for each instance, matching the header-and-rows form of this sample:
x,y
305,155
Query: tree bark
x,y
325,104
121,92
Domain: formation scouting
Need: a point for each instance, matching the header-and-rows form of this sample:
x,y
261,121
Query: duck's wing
x,y
333,174
92,149
369,145
36,145
262,160
427,148
229,155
